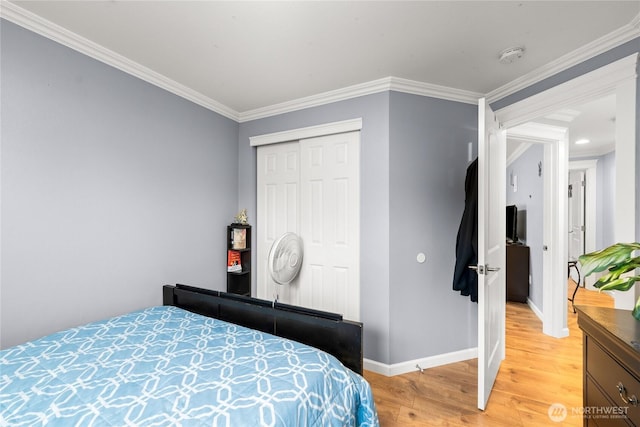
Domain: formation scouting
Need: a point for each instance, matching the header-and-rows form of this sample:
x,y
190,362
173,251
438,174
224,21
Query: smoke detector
x,y
511,54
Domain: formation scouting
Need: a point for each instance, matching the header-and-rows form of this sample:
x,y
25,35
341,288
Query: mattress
x,y
166,366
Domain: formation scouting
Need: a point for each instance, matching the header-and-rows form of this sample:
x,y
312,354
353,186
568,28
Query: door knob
x,y
482,269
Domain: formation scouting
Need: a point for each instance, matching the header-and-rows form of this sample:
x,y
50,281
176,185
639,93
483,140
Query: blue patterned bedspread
x,y
166,366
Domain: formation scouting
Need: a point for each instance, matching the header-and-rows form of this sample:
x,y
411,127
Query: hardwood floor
x,y
538,370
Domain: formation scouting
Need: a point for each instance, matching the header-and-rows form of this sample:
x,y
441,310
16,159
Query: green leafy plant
x,y
618,259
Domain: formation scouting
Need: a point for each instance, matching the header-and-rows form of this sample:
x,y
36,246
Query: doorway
x,y
538,188
593,125
618,77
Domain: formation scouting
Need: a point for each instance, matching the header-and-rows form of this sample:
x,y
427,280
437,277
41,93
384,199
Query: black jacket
x,y
465,280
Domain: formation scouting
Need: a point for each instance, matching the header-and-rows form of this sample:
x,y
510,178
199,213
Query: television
x,y
521,229
512,223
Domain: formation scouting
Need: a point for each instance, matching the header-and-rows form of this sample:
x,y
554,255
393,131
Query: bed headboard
x,y
323,330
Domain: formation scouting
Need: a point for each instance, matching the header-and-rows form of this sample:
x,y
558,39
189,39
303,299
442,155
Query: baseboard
x,y
417,364
535,309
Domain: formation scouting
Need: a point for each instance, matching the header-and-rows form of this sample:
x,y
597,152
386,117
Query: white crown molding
x,y
622,35
594,84
436,91
48,29
35,23
306,132
367,88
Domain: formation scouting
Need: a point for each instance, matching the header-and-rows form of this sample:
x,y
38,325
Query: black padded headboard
x,y
323,330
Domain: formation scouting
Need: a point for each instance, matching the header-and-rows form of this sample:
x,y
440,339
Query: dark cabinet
x,y
517,276
239,259
611,366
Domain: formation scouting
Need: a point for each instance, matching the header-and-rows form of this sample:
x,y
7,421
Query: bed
x,y
184,364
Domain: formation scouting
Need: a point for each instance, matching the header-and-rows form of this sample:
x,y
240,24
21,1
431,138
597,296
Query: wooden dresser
x,y
517,278
611,351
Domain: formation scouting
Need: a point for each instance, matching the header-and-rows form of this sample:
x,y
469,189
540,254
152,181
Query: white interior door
x,y
576,214
278,197
589,168
330,208
491,249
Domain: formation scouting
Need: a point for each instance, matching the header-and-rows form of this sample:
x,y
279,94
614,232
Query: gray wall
x,y
428,161
111,184
123,186
529,197
109,187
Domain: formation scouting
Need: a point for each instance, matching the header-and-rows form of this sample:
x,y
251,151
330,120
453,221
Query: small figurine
x,y
241,218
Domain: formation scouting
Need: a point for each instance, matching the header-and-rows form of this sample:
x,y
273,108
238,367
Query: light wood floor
x,y
538,370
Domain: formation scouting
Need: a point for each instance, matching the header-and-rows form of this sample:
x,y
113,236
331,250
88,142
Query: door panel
x,y
491,249
330,210
576,214
278,197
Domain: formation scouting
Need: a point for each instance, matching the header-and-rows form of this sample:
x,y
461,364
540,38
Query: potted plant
x,y
618,259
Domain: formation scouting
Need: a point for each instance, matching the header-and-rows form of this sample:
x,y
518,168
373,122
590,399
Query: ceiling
x,y
251,55
246,56
594,120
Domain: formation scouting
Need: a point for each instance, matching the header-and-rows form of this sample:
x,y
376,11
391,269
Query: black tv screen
x,y
512,223
521,229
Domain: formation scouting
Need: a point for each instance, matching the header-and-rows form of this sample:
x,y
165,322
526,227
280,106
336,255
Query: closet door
x,y
330,214
278,199
311,187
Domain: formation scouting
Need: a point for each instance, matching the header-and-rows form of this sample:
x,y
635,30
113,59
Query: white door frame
x,y
619,77
306,132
